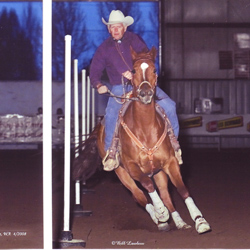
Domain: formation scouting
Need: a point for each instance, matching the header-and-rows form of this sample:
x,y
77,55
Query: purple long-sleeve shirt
x,y
108,57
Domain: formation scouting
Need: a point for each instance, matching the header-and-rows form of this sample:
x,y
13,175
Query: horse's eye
x,y
133,71
155,70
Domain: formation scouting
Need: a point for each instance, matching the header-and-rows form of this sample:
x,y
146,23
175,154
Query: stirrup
x,y
178,156
110,163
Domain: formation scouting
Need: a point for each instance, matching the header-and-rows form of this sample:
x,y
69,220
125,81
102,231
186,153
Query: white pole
x,y
76,109
84,137
67,238
88,105
77,192
66,220
76,127
47,125
93,108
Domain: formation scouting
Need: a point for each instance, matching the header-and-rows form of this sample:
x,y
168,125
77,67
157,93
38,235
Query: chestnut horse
x,y
146,153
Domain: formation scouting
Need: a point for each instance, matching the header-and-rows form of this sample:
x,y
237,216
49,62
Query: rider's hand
x,y
102,89
127,74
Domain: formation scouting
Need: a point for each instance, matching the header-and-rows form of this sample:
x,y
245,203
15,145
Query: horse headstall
x,y
151,85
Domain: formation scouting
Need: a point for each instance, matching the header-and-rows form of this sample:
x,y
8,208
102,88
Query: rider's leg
x,y
170,109
111,117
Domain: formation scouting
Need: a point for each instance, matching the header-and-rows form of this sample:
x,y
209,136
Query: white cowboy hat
x,y
116,16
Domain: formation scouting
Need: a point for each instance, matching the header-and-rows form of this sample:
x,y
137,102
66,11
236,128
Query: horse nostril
x,y
142,94
150,93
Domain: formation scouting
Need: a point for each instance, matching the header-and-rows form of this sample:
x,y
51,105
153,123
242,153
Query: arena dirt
x,y
218,182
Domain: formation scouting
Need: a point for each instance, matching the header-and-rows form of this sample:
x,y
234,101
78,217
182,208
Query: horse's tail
x,y
88,161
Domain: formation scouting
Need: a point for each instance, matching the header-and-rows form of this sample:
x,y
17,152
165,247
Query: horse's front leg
x,y
161,181
201,225
157,211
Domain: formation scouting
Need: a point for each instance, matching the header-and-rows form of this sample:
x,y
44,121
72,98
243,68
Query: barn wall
x,y
194,31
235,94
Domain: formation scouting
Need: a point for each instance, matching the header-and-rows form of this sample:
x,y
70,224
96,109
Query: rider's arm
x,y
101,89
127,74
97,67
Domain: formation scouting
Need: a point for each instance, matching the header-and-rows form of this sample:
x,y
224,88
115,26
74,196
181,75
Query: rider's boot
x,y
176,146
111,160
177,149
174,142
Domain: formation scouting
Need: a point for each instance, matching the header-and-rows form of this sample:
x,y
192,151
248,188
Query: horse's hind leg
x,y
130,184
201,224
161,181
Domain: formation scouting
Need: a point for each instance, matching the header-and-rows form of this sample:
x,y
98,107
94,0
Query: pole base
x,y
68,241
79,212
72,243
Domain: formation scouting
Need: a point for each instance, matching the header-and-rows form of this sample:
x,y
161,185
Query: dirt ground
x,y
218,182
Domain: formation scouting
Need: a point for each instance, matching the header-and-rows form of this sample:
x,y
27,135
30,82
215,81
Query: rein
x,y
122,97
149,151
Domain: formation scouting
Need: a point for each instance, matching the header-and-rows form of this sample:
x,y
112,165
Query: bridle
x,y
139,87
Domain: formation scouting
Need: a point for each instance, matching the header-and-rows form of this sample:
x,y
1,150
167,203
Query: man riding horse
x,y
114,56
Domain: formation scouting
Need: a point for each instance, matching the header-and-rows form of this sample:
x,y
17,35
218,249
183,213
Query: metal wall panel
x,y
197,11
238,11
235,94
194,52
173,62
173,11
195,31
215,142
216,11
201,52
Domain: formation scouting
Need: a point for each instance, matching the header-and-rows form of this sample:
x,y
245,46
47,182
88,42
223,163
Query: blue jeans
x,y
112,112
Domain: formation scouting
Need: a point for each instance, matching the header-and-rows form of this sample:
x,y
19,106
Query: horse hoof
x,y
202,226
164,226
184,226
179,222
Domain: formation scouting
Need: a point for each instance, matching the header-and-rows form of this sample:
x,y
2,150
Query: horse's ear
x,y
133,53
153,52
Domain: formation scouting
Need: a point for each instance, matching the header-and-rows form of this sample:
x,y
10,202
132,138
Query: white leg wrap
x,y
179,223
151,210
161,211
155,197
192,208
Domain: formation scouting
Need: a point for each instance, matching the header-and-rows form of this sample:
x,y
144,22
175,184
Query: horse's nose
x,y
146,95
150,92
